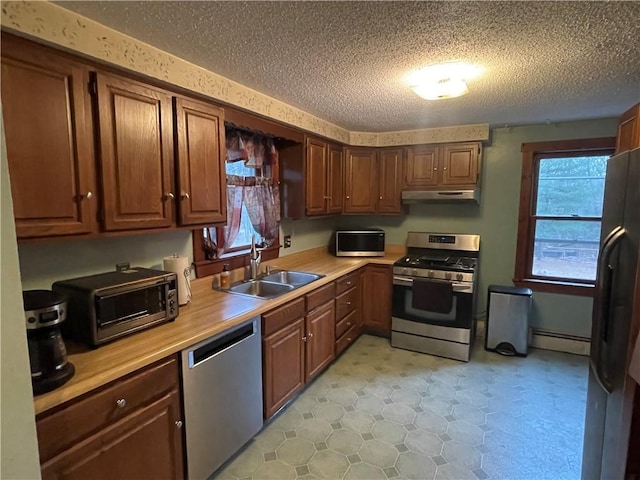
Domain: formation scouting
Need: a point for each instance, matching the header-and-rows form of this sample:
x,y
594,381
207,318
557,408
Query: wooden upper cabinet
x,y
200,141
628,130
47,123
323,177
136,153
361,181
460,164
442,166
389,184
316,177
421,167
335,179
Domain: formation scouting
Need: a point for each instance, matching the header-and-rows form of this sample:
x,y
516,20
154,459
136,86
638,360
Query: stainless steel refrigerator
x,y
611,391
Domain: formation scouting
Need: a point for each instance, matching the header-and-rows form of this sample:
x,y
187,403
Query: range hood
x,y
470,195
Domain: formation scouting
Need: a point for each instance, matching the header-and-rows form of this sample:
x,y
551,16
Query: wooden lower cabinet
x,y
131,428
283,365
298,343
146,444
348,310
320,339
376,299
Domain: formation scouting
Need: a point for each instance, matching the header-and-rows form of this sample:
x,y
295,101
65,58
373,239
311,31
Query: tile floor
x,y
380,412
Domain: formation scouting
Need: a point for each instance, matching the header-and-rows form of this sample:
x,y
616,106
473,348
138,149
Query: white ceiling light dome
x,y
443,80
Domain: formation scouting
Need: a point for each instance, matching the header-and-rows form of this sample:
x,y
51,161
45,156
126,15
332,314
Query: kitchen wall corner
x,y
19,457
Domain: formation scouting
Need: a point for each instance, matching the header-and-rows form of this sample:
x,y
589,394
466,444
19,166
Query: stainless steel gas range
x,y
434,295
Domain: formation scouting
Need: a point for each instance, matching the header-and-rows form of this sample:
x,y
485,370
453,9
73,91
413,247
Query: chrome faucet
x,y
254,260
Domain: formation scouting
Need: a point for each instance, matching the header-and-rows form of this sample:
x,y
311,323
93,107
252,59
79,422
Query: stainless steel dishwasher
x,y
222,379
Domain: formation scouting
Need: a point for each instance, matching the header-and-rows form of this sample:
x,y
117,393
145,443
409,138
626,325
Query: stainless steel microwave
x,y
367,242
110,305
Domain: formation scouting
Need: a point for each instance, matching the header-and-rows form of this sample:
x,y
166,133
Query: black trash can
x,y
508,310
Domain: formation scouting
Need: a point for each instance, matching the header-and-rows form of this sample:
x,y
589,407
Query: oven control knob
x,y
447,276
405,271
431,273
459,277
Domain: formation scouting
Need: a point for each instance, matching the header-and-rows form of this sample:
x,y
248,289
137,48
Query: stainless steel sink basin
x,y
274,284
292,277
261,288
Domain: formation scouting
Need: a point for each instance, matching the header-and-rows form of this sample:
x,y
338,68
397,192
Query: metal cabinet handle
x,y
121,403
304,339
444,168
169,195
348,303
179,423
310,335
348,339
348,197
381,198
435,169
185,195
87,195
348,324
349,282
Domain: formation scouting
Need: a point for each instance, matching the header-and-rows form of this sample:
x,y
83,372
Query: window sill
x,y
237,259
562,288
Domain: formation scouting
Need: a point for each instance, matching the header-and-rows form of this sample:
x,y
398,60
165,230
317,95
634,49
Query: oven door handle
x,y
456,286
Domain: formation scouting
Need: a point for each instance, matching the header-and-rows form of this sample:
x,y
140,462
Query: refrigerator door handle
x,y
603,297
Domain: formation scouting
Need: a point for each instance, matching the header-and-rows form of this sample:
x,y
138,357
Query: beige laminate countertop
x,y
209,313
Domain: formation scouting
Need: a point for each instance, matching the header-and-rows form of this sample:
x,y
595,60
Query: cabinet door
x,y
136,154
376,298
320,339
628,130
335,179
283,366
421,166
48,141
201,172
316,177
144,445
361,181
389,200
460,164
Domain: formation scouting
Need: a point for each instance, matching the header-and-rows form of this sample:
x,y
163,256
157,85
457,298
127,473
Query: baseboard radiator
x,y
548,340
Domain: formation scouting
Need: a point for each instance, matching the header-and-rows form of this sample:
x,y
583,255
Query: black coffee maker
x,y
44,312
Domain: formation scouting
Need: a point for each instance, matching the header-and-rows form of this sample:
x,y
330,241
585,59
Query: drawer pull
x,y
349,282
348,339
179,423
348,303
121,403
348,324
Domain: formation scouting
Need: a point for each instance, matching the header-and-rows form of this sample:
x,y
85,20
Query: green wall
x,y
496,220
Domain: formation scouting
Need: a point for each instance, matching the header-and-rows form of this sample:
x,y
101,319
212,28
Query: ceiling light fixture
x,y
444,80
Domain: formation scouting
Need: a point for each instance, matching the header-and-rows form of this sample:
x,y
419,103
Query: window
x,y
243,240
560,214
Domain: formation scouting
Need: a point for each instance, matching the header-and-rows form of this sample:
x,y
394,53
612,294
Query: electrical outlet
x,y
287,241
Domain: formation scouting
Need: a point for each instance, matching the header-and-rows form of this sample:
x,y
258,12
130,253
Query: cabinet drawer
x,y
346,339
60,430
346,303
276,319
346,282
346,323
320,296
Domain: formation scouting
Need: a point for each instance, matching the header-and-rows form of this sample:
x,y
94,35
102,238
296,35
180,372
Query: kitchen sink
x,y
292,278
261,288
274,284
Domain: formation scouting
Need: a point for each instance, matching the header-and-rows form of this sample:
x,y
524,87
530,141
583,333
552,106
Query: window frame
x,y
532,153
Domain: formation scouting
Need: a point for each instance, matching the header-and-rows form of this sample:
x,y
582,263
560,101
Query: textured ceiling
x,y
346,62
